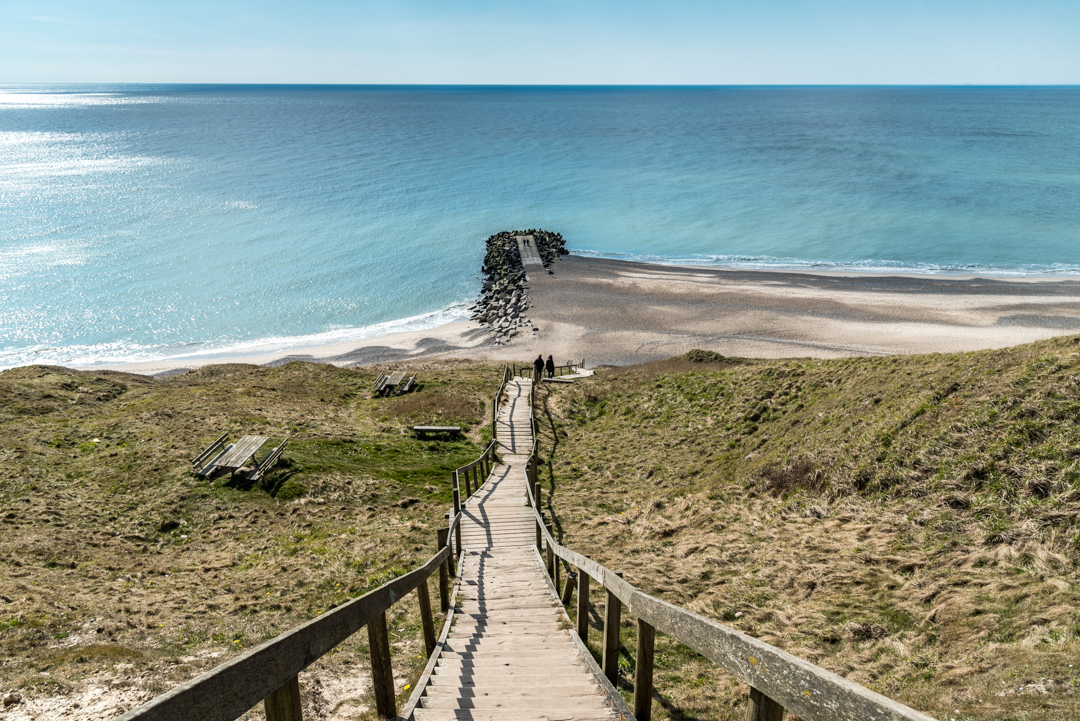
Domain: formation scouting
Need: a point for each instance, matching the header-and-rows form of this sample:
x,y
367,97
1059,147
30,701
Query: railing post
x,y
443,535
283,704
451,556
424,598
612,619
382,674
763,708
583,606
643,686
457,514
539,533
568,588
550,556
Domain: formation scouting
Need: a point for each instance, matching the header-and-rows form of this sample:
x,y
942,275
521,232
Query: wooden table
x,y
239,453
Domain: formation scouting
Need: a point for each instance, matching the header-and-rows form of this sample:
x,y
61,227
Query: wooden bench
x,y
201,464
267,464
424,431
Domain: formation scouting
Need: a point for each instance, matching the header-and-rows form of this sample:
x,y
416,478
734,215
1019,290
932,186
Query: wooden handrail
x,y
775,676
231,689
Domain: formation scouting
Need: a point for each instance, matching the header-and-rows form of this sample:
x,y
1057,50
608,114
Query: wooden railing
x,y
778,681
269,673
474,474
497,400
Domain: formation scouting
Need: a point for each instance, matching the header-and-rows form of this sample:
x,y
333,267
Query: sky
x,y
558,42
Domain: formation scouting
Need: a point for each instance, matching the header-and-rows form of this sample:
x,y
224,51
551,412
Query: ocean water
x,y
150,222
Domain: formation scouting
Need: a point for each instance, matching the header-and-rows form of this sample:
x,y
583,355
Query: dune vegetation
x,y
910,522
123,574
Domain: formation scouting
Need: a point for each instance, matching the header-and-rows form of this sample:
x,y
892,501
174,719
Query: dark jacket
x,y
550,365
538,364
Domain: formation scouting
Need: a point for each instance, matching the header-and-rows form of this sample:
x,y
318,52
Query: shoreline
x,y
619,312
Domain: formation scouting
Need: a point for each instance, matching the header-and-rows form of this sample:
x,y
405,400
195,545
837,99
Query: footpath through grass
x,y
909,522
122,574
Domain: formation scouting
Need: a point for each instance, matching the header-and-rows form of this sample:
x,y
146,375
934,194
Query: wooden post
x,y
583,606
424,597
457,514
494,417
612,619
284,703
568,589
550,560
450,546
646,635
444,572
555,578
763,708
382,674
539,534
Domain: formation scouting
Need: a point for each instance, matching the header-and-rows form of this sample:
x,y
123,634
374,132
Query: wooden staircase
x,y
509,654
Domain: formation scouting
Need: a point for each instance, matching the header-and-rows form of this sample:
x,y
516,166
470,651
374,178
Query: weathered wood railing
x,y
474,474
497,400
269,673
778,681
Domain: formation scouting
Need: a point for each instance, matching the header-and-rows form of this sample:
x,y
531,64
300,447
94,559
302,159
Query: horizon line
x,y
4,85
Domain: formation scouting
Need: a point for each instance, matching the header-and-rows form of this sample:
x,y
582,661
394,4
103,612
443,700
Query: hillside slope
x,y
909,522
122,574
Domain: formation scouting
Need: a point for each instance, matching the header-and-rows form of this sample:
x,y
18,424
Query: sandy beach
x,y
611,312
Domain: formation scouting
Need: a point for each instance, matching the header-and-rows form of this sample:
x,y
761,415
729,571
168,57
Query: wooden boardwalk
x,y
509,654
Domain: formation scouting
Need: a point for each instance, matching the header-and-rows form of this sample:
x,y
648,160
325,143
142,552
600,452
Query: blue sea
x,y
151,222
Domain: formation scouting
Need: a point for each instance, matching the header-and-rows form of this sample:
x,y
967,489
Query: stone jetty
x,y
504,299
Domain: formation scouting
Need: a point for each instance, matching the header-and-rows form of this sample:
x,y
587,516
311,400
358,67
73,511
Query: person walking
x,y
551,367
538,367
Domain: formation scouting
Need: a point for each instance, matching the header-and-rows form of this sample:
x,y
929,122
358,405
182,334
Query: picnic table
x,y
386,383
232,457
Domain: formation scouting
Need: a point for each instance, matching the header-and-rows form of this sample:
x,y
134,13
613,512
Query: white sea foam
x,y
743,262
123,352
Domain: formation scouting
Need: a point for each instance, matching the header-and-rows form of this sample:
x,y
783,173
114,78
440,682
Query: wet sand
x,y
611,312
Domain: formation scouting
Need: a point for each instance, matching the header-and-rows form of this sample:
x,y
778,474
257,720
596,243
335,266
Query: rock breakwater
x,y
504,298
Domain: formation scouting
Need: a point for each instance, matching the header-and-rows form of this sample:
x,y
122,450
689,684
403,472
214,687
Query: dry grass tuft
x,y
797,474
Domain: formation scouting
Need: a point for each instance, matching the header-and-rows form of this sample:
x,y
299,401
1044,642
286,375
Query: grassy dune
x,y
909,522
122,574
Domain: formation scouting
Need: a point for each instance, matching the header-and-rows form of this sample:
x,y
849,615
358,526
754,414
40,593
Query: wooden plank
x,y
762,708
241,451
612,620
283,704
382,674
583,606
643,671
427,621
228,691
209,450
444,572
